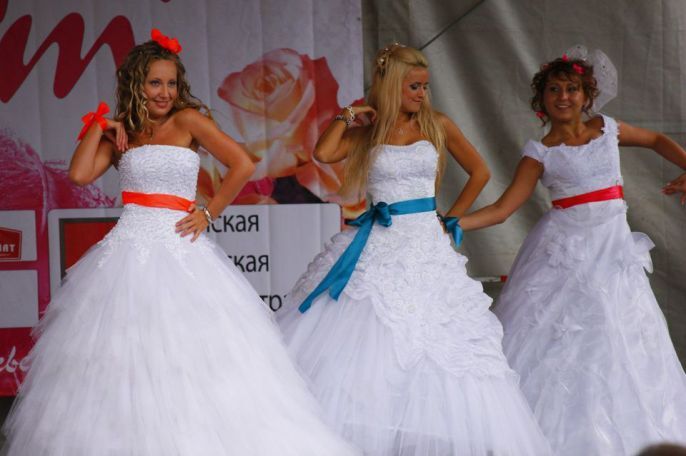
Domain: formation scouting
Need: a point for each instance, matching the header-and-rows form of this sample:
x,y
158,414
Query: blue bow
x,y
380,213
452,225
337,278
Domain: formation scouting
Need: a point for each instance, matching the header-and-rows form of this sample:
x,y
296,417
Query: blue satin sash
x,y
337,278
452,225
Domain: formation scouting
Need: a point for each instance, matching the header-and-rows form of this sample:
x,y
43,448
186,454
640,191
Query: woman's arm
x,y
335,143
469,159
93,155
228,152
522,186
664,146
640,137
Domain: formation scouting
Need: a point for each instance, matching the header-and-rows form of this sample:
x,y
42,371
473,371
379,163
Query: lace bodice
x,y
573,170
416,282
402,172
171,170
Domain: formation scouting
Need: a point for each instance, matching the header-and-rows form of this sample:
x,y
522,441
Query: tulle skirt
x,y
408,361
162,348
586,335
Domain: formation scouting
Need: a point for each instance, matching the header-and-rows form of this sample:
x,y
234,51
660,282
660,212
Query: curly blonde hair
x,y
131,109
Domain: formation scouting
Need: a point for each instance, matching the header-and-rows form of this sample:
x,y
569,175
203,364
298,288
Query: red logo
x,y
68,34
10,244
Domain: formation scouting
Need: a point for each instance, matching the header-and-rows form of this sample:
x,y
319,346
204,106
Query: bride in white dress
x,y
582,326
156,345
400,346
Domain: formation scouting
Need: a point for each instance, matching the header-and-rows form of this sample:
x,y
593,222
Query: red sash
x,y
605,194
157,200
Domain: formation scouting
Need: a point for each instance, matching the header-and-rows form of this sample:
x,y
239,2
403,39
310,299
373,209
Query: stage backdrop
x,y
274,73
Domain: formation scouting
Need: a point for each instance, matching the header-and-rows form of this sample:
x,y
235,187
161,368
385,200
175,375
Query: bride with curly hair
x,y
156,345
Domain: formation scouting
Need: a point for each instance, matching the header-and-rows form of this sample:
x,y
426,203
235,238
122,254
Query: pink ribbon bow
x,y
578,69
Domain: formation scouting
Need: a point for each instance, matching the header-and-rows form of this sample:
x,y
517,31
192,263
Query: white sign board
x,y
271,244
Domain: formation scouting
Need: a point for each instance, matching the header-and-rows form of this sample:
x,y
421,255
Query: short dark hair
x,y
566,68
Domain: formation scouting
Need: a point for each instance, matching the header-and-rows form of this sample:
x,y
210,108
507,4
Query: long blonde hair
x,y
392,65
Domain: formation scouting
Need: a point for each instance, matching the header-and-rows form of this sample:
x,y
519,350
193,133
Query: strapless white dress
x,y
409,360
156,346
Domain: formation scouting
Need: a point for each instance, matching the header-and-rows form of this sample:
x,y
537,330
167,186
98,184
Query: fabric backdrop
x,y
483,54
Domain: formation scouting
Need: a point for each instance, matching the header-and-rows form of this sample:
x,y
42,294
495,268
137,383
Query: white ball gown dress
x,y
582,326
156,346
408,360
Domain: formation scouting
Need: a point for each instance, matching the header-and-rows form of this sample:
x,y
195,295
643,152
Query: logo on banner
x,y
10,244
68,34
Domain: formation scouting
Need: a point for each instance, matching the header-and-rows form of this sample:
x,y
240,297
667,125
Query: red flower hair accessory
x,y
93,117
565,58
578,69
170,44
540,114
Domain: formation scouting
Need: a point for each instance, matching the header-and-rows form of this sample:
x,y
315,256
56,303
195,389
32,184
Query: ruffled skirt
x,y
158,347
408,361
586,335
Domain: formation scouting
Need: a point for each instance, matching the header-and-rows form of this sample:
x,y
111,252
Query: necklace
x,y
407,127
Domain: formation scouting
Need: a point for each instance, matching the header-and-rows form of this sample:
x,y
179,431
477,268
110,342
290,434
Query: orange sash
x,y
157,200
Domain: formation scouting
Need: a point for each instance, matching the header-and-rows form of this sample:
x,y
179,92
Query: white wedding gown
x,y
156,346
409,361
582,326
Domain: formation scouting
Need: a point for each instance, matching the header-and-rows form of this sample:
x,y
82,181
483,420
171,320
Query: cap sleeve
x,y
610,125
533,149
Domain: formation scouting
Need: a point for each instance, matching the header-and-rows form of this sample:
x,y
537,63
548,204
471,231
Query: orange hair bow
x,y
170,44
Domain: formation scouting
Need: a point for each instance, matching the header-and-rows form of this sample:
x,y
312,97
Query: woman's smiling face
x,y
160,88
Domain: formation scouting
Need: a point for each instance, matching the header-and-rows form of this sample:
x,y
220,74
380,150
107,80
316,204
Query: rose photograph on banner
x,y
281,103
